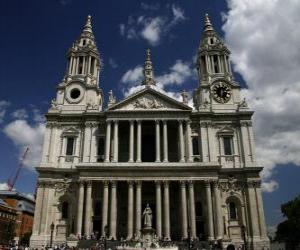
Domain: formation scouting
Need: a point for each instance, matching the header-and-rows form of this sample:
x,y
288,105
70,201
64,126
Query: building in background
x,y
24,207
8,216
195,167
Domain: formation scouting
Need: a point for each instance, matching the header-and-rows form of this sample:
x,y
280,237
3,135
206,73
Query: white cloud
x,y
37,116
25,135
3,107
270,186
152,28
265,51
150,7
20,114
133,76
3,186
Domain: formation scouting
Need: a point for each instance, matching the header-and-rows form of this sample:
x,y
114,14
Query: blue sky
x,y
266,59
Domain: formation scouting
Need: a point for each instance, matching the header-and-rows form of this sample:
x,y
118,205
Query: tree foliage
x,y
288,231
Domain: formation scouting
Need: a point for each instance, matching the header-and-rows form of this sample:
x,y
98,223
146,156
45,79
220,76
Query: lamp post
x,y
51,236
243,227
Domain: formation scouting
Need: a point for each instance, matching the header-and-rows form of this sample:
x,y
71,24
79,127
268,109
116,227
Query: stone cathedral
x,y
195,167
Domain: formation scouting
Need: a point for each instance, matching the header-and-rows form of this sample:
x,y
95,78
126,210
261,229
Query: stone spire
x,y
88,25
148,70
207,24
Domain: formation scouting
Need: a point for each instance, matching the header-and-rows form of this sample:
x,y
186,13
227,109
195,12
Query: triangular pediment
x,y
149,99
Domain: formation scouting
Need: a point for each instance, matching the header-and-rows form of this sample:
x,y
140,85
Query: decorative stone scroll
x,y
64,186
232,185
144,103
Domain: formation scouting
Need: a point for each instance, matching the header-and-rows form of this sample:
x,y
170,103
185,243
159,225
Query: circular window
x,y
75,93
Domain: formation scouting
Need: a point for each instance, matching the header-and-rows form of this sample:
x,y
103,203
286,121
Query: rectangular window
x,y
195,142
227,145
203,64
100,149
80,65
216,64
70,145
92,65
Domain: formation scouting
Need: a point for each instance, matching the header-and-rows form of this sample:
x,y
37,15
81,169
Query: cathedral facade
x,y
194,167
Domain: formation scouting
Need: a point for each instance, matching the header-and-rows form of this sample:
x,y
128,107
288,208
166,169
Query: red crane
x,y
12,181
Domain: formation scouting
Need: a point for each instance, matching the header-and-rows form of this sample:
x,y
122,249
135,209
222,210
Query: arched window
x,y
232,211
65,210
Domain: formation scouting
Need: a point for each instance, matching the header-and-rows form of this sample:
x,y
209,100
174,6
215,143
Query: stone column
x,y
38,209
93,156
46,143
211,142
116,140
158,209
157,141
80,208
252,142
218,212
104,207
204,141
131,140
192,210
139,142
262,223
113,212
44,209
107,141
209,211
184,218
181,143
245,142
165,136
138,211
130,211
189,141
254,217
88,210
166,211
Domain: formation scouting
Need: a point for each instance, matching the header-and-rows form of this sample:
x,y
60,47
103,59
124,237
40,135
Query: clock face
x,y
221,92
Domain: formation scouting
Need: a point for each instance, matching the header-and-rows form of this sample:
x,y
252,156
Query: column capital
x,y
130,182
116,122
158,182
180,121
190,183
138,183
182,183
138,121
166,183
207,183
157,121
165,122
105,183
113,183
80,183
89,183
108,121
188,122
131,121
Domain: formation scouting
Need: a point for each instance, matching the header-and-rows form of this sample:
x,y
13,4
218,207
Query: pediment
x,y
149,99
226,130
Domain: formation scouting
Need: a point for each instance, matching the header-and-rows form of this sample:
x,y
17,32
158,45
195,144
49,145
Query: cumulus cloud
x,y
152,28
133,76
3,108
20,114
265,51
25,135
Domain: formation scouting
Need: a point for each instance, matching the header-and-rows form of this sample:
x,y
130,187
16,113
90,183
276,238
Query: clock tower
x,y
217,90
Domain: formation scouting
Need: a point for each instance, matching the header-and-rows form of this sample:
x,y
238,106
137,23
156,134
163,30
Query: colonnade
x,y
162,222
185,145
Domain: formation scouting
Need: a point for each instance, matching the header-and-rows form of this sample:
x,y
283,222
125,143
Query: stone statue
x,y
147,216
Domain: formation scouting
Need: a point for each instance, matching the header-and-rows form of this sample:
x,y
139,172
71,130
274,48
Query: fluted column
x,y
158,209
116,141
166,211
138,211
80,208
181,143
107,141
262,223
139,142
219,220
131,140
209,211
130,211
113,212
104,207
189,141
253,209
184,218
157,141
192,209
88,206
165,142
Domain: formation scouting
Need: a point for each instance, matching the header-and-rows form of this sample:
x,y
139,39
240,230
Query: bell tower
x,y
217,89
79,89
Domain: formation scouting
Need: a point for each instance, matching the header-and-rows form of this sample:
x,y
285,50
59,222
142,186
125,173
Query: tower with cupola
x,y
79,89
217,90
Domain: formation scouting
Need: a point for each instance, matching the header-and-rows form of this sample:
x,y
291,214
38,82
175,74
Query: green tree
x,y
288,231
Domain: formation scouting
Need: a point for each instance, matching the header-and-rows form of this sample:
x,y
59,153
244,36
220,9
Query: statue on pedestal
x,y
147,216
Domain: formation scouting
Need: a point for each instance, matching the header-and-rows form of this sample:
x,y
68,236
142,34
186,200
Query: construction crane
x,y
12,181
